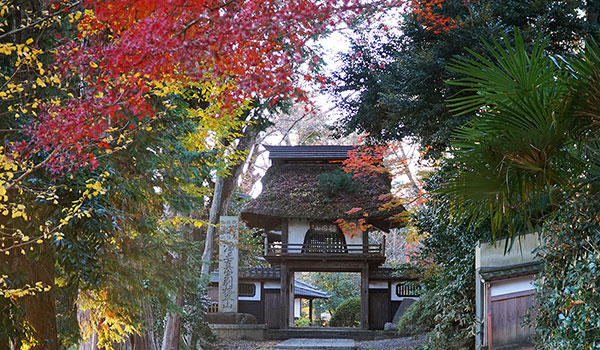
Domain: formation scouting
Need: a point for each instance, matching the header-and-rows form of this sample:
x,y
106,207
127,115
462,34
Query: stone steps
x,y
329,333
316,344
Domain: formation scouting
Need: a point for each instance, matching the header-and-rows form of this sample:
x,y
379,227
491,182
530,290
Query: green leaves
x,y
337,181
521,154
567,304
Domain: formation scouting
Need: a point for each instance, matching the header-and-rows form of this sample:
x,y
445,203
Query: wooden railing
x,y
277,249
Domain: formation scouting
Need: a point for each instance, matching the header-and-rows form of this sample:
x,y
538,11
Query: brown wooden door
x,y
506,321
272,309
379,308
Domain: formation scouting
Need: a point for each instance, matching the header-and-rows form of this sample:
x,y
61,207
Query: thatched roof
x,y
292,191
279,153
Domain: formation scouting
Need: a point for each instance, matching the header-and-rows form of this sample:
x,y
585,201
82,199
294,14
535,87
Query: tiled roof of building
x,y
259,273
251,273
302,289
269,273
386,273
516,270
308,152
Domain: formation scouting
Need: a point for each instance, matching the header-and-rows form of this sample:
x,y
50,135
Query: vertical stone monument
x,y
228,264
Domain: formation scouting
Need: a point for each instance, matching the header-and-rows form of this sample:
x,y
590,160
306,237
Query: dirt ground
x,y
409,343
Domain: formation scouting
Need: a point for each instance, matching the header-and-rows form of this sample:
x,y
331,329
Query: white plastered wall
x,y
355,239
512,285
297,229
488,255
297,307
395,297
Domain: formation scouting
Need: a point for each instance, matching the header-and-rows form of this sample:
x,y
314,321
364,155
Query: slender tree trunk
x,y
88,341
172,331
194,341
408,171
224,189
210,231
146,340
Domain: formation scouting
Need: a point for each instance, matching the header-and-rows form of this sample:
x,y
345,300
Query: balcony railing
x,y
279,249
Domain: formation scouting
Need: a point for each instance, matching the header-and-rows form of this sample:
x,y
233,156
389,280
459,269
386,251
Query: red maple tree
x,y
123,46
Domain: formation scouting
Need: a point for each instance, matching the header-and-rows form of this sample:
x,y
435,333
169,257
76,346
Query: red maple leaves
x,y
123,46
431,19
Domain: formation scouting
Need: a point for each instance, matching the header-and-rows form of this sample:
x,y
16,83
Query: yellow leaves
x,y
7,292
178,221
111,325
97,187
75,16
29,41
93,65
7,48
40,83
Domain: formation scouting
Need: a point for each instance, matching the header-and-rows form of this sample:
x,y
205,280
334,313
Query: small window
x,y
408,290
246,289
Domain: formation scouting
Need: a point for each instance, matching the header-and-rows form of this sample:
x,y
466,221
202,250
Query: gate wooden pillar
x,y
286,297
364,296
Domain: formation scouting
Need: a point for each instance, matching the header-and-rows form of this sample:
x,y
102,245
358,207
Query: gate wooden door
x,y
505,321
379,308
272,309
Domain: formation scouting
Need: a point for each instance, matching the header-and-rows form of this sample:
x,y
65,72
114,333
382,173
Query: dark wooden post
x,y
310,312
364,296
266,244
284,233
284,297
290,320
365,242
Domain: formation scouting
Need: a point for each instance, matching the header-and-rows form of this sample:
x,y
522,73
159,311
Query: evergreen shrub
x,y
347,314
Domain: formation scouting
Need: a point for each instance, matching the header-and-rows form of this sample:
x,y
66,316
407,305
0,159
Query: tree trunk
x,y
91,341
146,340
40,309
172,331
210,231
224,188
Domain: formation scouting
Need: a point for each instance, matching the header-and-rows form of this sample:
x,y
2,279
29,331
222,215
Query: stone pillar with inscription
x,y
228,264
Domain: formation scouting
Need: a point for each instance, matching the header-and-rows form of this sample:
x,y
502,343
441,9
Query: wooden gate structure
x,y
298,218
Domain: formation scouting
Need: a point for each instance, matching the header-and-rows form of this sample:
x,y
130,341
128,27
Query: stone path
x,y
408,343
316,344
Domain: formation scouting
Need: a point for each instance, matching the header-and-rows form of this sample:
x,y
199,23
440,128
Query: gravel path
x,y
385,344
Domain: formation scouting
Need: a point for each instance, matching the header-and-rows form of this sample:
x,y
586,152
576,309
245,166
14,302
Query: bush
x,y
337,181
447,308
302,322
419,318
347,314
567,297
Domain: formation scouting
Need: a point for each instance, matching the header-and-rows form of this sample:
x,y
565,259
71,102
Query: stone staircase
x,y
316,344
329,333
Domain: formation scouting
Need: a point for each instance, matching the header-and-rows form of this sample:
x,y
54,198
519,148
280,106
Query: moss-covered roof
x,y
293,191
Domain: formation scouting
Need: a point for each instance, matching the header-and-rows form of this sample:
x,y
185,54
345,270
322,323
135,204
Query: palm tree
x,y
532,142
